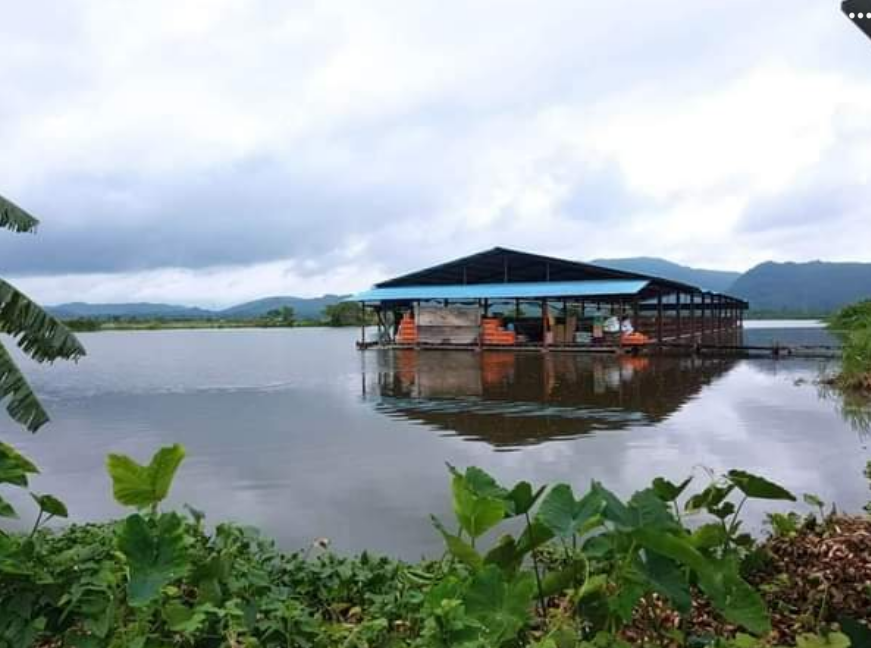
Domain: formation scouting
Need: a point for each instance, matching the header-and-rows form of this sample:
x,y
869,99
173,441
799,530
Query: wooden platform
x,y
780,351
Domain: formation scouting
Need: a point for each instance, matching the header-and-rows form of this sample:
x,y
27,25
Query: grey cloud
x,y
253,212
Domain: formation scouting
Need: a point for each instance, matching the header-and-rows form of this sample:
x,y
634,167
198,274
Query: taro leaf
x,y
564,515
523,498
180,618
534,536
758,487
614,510
505,555
594,607
142,486
667,578
624,602
668,491
480,482
711,497
735,599
812,500
675,548
476,514
500,605
457,547
6,509
557,582
14,466
646,509
831,640
156,554
207,577
708,536
51,505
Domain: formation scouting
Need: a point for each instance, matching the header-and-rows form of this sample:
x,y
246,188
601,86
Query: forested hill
x,y
715,280
816,287
303,307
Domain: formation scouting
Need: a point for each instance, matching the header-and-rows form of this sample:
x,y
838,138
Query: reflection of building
x,y
510,399
506,298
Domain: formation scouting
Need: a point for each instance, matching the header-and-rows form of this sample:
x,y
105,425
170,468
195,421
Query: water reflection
x,y
510,400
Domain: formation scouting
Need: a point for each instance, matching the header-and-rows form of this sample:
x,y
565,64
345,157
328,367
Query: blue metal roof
x,y
521,290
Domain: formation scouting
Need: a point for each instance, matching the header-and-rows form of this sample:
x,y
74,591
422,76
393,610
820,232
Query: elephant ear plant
x,y
604,555
154,545
44,339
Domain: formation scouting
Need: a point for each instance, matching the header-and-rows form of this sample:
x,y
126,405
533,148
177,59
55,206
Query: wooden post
x,y
544,323
678,315
659,317
363,324
693,326
703,313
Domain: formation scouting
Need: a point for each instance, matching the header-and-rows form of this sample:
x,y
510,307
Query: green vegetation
x,y
585,572
852,325
342,314
273,319
347,314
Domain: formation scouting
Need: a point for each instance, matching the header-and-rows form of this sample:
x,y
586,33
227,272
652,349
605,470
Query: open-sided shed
x,y
532,293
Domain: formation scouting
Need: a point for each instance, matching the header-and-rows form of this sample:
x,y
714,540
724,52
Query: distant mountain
x,y
815,287
304,308
715,280
143,310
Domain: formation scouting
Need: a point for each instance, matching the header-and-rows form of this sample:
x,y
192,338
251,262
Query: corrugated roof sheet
x,y
521,290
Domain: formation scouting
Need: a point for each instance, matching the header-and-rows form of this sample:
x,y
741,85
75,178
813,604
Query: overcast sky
x,y
213,151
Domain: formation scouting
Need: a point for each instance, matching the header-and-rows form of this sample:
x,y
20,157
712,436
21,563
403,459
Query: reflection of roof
x,y
530,289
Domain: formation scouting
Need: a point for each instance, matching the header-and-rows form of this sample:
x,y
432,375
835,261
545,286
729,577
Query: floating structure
x,y
505,298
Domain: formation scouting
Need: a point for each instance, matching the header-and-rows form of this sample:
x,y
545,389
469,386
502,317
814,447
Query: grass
x,y
852,324
86,325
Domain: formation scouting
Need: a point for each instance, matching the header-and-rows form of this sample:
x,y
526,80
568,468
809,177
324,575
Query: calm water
x,y
296,432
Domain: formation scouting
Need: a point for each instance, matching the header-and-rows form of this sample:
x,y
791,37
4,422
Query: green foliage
x,y
144,486
850,318
346,314
156,554
160,579
283,315
852,324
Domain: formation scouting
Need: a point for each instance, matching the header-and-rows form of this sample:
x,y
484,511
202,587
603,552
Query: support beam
x,y
363,324
678,317
659,317
544,319
693,324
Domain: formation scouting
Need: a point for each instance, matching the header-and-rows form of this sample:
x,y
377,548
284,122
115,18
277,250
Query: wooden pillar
x,y
544,323
703,314
363,324
678,315
659,317
693,326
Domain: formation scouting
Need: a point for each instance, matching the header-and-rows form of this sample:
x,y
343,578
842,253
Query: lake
x,y
296,432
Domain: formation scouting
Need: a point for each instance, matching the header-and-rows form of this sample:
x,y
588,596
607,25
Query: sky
x,y
208,152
